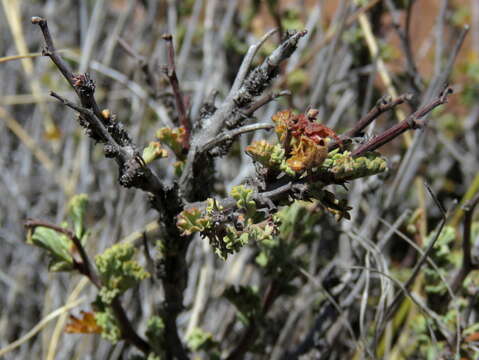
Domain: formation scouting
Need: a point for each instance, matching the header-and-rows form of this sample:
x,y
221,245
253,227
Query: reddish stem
x,y
411,122
179,99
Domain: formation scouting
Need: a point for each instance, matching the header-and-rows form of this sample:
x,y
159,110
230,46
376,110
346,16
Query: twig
x,y
88,115
284,189
383,105
264,100
179,99
255,83
411,122
467,264
50,50
229,135
82,85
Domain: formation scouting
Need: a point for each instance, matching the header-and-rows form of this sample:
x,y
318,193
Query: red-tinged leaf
x,y
306,154
84,325
472,337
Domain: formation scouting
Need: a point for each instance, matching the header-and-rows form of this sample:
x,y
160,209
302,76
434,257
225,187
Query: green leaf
x,y
153,151
244,199
76,211
191,221
57,245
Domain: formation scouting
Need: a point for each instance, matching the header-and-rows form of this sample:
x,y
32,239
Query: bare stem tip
x,y
37,20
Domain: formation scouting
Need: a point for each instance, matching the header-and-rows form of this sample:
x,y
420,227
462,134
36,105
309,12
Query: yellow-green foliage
x,y
153,151
118,271
342,167
244,198
174,139
201,340
155,332
110,329
269,155
191,221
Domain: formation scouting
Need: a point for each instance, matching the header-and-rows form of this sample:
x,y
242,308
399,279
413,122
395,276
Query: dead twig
x,y
265,100
229,135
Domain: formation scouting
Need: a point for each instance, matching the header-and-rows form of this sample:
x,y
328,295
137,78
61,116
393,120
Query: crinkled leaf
x,y
118,270
268,155
306,154
174,139
153,151
191,221
83,325
342,167
281,120
244,198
